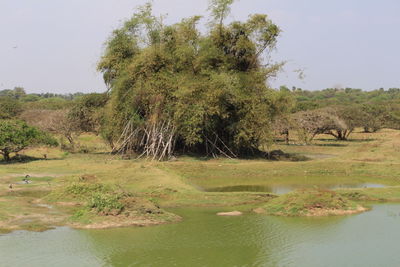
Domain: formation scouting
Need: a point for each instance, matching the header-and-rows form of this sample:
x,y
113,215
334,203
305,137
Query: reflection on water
x,y
283,189
204,239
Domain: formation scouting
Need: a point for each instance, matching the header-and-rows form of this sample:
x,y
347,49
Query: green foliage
x,y
87,112
54,103
174,88
19,92
99,197
312,202
17,135
106,203
220,9
370,110
16,93
375,117
18,99
347,96
9,107
84,190
78,215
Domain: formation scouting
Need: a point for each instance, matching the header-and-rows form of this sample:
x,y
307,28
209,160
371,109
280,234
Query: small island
x,y
312,202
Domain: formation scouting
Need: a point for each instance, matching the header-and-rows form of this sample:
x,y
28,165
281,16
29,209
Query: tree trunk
x,y
347,133
287,137
70,140
341,135
6,156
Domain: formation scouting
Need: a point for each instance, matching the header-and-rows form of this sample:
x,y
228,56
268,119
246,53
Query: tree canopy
x,y
16,135
174,88
9,107
370,110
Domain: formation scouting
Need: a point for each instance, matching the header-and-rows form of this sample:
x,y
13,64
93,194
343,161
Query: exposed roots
x,y
154,140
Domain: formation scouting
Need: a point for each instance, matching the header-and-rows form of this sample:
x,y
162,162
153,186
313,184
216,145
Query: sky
x,y
54,45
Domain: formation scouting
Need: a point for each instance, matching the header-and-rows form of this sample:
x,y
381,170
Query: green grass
x,y
68,180
351,163
309,203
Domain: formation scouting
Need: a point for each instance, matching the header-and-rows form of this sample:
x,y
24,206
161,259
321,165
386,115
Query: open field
x,y
63,185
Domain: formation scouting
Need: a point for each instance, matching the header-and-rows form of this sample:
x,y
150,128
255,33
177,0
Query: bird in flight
x,y
15,47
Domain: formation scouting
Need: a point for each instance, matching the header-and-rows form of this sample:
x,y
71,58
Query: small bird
x,y
10,186
15,47
26,180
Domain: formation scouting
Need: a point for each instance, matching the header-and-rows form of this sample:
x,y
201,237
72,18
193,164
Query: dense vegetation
x,y
175,89
348,109
337,112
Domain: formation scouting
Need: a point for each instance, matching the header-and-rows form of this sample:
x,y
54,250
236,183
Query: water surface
x,y
286,188
204,239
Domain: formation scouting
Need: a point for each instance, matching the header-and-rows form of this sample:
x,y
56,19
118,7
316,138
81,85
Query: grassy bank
x,y
100,190
312,202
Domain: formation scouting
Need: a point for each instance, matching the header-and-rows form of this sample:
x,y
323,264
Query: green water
x,y
286,188
204,239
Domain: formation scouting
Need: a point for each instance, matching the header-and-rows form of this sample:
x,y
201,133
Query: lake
x,y
281,189
204,239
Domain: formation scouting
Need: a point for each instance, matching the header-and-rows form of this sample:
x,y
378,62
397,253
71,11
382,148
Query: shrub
x,y
107,204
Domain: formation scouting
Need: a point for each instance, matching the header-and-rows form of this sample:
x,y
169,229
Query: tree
x,y
220,9
352,116
53,121
87,112
283,126
285,103
376,116
17,135
392,120
19,92
310,123
173,88
9,108
16,93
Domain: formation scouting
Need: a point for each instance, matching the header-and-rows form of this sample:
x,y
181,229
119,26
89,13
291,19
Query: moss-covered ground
x,y
100,190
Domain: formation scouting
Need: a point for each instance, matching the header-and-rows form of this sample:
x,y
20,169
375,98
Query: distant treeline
x,y
15,100
19,93
338,112
306,100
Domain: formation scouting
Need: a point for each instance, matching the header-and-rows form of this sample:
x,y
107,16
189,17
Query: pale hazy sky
x,y
54,45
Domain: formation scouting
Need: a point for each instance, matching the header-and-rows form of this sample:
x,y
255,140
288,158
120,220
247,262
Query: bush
x,y
107,204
